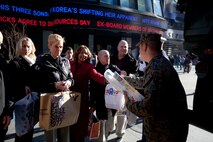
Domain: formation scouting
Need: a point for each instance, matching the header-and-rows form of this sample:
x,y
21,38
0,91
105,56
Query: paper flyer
x,y
121,84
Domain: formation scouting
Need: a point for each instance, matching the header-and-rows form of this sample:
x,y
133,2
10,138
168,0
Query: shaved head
x,y
103,57
102,52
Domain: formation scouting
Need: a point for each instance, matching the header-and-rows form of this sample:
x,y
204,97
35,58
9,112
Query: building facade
x,y
174,33
99,24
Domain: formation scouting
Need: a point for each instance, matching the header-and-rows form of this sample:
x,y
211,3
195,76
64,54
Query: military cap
x,y
148,37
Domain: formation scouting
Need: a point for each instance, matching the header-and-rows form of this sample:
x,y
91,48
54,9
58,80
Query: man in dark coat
x,y
124,61
97,99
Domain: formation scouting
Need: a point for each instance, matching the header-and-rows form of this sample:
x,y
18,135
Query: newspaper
x,y
121,84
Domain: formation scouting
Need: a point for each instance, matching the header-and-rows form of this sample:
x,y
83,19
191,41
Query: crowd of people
x,y
163,108
183,62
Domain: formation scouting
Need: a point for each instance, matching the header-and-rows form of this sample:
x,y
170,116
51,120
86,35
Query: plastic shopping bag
x,y
121,84
114,99
26,113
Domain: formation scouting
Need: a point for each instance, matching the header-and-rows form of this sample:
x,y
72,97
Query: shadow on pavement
x,y
39,139
36,130
10,136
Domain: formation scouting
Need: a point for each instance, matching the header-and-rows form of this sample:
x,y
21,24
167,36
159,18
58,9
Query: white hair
x,y
123,42
102,52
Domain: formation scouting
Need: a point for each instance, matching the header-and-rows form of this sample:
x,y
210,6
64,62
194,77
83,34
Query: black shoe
x,y
119,139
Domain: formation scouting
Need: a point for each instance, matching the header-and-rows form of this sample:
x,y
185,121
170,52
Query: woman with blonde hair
x,y
52,71
20,49
20,77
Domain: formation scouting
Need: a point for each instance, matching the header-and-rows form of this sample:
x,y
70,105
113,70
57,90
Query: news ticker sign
x,y
82,16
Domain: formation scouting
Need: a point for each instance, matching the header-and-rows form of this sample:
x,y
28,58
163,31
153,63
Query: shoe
x,y
119,139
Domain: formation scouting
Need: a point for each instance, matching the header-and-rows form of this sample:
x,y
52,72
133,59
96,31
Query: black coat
x,y
128,63
8,109
97,92
48,70
19,77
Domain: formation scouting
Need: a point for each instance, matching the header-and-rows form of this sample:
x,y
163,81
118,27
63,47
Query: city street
x,y
134,133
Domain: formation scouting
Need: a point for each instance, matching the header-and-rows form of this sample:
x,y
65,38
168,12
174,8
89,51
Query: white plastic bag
x,y
131,118
121,84
26,113
114,99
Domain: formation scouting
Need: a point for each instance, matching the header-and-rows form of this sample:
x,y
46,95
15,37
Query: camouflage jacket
x,y
164,107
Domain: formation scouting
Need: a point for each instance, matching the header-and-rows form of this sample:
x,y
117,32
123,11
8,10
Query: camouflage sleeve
x,y
141,108
135,107
136,82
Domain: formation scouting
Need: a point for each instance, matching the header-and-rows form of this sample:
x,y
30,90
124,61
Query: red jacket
x,y
82,73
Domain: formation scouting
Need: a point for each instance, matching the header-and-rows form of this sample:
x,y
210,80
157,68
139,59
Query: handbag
x,y
26,113
93,127
59,109
114,99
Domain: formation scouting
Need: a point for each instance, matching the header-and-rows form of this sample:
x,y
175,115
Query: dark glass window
x,y
113,2
157,7
128,3
90,0
94,1
141,5
145,5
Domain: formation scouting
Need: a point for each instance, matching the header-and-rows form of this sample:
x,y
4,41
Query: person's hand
x,y
123,73
66,85
6,121
92,109
131,75
62,85
106,81
125,96
27,90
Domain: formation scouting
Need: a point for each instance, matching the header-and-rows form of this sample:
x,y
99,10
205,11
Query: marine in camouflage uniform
x,y
164,107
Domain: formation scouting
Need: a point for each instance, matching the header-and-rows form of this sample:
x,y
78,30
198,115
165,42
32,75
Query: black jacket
x,y
128,63
48,70
8,109
19,77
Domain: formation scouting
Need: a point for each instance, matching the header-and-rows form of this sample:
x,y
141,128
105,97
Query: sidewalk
x,y
135,133
189,83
